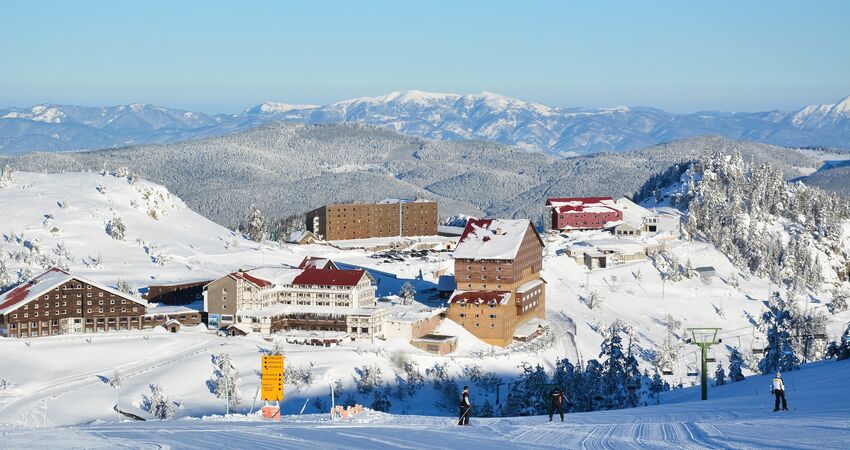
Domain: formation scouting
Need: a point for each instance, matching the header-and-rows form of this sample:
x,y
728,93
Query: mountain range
x,y
490,117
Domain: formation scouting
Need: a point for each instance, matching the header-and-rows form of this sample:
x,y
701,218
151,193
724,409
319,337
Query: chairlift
x,y
820,336
710,356
758,345
666,371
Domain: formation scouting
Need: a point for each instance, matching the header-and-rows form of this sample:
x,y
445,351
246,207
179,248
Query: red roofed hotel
x,y
283,299
583,213
57,302
499,288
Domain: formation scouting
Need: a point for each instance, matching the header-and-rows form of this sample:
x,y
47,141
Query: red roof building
x,y
57,302
583,213
329,277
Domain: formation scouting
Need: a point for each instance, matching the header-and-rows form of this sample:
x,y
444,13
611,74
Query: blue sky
x,y
226,56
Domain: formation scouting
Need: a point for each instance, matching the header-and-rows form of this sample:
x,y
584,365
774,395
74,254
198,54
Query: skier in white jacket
x,y
778,388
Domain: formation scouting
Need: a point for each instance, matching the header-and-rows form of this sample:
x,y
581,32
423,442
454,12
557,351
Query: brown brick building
x,y
497,271
57,302
387,218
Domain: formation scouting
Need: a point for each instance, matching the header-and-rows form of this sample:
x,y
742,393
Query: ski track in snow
x,y
24,411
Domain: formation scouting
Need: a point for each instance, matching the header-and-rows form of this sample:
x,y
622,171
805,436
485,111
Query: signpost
x,y
272,378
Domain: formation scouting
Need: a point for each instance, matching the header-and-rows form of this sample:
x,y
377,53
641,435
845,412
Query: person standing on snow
x,y
778,388
464,407
557,402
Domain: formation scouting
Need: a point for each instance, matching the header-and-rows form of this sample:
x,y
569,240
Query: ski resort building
x,y
387,218
582,213
270,300
57,302
497,271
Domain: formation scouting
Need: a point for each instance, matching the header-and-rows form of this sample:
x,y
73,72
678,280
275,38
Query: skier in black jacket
x,y
557,402
464,407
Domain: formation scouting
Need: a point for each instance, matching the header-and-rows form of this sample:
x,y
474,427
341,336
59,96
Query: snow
x,y
735,416
55,379
496,239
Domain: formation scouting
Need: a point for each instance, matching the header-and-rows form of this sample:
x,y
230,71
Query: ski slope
x,y
735,416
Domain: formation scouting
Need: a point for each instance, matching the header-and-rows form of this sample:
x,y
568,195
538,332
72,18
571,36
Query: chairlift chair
x,y
757,346
711,356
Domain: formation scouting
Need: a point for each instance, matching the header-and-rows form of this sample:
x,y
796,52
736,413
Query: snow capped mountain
x,y
443,116
822,116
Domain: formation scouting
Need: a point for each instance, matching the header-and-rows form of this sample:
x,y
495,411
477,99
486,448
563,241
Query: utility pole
x,y
704,338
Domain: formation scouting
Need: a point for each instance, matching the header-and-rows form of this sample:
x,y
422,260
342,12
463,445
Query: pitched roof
x,y
582,204
479,297
492,238
45,282
259,282
329,277
316,262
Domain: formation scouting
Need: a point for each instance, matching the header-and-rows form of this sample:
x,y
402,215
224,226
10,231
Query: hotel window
x,y
88,310
492,316
100,294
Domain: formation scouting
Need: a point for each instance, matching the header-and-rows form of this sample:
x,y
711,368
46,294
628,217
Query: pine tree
x,y
116,229
381,401
780,354
657,386
719,376
633,377
840,350
840,296
226,379
5,176
255,228
486,409
407,292
735,362
159,404
613,387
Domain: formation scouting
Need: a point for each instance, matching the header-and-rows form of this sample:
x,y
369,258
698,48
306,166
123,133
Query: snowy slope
x,y
735,416
55,380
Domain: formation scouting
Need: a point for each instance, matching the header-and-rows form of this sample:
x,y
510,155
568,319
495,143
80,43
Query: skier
x,y
557,399
464,407
778,388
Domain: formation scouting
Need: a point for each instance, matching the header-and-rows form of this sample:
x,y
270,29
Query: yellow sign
x,y
271,378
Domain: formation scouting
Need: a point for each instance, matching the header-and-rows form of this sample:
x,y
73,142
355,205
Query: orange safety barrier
x,y
271,412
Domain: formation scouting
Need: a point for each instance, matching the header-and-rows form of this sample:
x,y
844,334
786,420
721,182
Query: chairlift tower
x,y
704,338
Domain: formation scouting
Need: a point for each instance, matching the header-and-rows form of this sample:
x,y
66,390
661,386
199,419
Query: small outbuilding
x,y
172,325
438,344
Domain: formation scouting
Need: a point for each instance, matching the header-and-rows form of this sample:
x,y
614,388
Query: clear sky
x,y
226,56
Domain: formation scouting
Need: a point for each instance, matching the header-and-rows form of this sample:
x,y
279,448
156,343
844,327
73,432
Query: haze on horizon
x,y
226,56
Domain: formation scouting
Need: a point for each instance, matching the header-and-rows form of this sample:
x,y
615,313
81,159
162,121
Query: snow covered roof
x,y
316,262
296,236
329,277
274,275
627,246
570,205
529,286
493,238
47,281
632,209
243,327
479,297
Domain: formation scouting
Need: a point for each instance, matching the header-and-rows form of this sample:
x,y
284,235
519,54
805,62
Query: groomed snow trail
x,y
737,416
